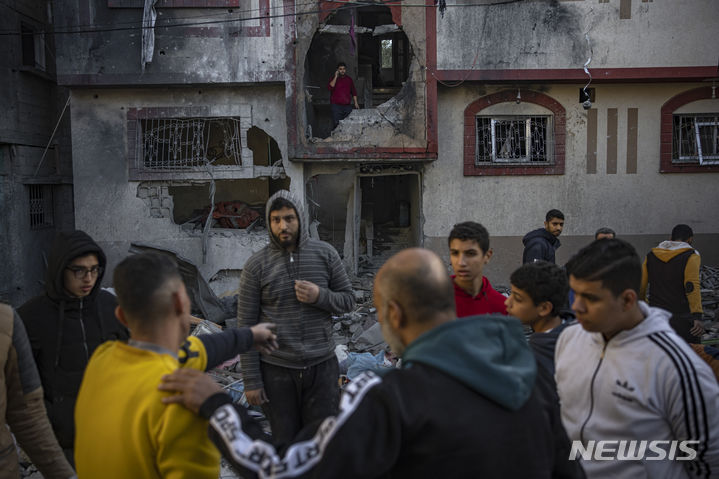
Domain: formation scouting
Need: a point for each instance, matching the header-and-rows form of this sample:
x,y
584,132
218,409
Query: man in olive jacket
x,y
22,408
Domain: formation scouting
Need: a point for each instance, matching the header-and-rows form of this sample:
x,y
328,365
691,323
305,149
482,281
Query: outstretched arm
x,y
228,344
365,437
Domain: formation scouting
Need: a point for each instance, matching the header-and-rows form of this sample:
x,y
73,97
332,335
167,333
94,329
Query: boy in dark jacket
x,y
67,323
539,290
542,243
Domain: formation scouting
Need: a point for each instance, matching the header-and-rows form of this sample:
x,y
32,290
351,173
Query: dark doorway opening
x,y
389,218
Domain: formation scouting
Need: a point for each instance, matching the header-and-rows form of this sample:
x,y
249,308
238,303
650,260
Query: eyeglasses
x,y
81,272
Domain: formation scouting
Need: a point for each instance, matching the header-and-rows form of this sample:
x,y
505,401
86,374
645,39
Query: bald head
x,y
417,280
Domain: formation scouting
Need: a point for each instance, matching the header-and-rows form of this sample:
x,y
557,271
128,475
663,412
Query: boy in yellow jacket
x,y
122,428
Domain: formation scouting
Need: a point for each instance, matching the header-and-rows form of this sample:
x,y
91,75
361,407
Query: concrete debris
x,y
709,284
384,29
204,301
359,331
343,29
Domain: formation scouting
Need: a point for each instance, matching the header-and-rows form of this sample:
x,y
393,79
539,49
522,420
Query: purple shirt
x,y
343,91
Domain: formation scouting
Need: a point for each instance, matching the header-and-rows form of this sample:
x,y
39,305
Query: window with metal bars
x,y
695,139
40,206
177,144
513,139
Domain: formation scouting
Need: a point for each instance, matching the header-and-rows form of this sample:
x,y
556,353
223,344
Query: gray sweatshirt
x,y
267,293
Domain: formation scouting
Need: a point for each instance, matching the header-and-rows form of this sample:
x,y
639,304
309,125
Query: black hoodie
x,y
539,244
64,330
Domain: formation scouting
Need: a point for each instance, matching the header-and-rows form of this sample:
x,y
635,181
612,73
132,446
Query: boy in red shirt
x,y
469,252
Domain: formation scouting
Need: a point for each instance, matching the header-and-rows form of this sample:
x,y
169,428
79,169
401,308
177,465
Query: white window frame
x,y
701,157
497,157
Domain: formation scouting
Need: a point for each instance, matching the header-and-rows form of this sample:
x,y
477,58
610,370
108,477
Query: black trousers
x,y
339,112
682,323
299,397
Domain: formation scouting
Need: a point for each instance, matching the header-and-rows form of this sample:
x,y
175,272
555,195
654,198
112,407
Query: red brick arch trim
x,y
667,125
506,96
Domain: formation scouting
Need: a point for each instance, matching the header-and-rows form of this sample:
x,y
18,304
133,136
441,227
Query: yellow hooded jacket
x,y
123,428
670,278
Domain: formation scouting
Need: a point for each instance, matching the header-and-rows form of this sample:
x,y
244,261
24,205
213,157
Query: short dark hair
x,y
279,203
341,64
682,233
614,262
138,278
605,231
542,281
469,230
553,214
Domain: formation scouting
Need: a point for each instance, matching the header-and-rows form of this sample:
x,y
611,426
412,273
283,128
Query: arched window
x,y
690,133
507,135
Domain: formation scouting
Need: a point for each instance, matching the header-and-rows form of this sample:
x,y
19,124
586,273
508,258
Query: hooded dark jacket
x,y
539,244
464,405
64,330
267,293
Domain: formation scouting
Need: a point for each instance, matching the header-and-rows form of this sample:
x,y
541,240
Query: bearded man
x,y
298,283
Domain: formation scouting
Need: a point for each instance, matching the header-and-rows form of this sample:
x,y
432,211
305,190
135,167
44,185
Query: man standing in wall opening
x,y
342,94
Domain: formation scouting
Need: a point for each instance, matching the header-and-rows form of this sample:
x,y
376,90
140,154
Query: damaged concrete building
x,y
489,111
36,196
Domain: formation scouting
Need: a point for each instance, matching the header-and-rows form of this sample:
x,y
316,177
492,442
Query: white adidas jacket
x,y
644,384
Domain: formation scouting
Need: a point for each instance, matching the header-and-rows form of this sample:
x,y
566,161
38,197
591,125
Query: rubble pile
x,y
359,330
709,283
709,280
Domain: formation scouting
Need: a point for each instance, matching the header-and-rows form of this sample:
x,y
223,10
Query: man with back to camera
x,y
624,376
342,94
670,277
123,429
399,424
542,243
298,283
67,323
469,253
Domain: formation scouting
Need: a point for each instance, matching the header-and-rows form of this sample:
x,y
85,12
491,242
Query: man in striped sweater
x,y
635,400
298,283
